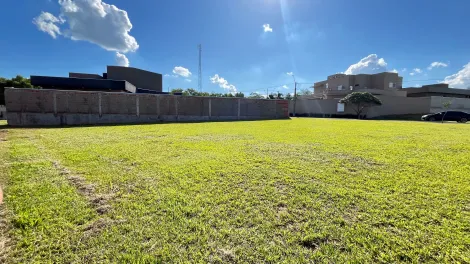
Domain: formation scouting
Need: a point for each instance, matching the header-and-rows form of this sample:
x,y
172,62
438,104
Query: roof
x,y
437,89
65,83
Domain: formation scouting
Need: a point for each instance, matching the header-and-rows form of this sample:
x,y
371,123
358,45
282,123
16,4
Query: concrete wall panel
x,y
119,103
148,104
34,101
224,106
190,106
167,105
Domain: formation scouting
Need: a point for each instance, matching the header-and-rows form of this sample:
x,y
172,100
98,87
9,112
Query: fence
x,y
40,107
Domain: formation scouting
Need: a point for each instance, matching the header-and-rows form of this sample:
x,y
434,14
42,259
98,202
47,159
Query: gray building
x,y
339,85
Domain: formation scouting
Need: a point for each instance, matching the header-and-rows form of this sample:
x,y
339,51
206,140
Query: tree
x,y
191,92
255,96
215,94
240,94
16,82
446,106
361,101
289,96
177,90
304,92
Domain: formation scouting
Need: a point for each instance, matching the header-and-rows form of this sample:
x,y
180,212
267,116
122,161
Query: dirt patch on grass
x,y
218,138
4,240
96,227
226,255
99,201
313,242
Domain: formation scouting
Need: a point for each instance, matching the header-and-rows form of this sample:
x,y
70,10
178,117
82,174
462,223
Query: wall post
x,y
210,108
99,104
158,105
137,104
54,95
176,107
238,114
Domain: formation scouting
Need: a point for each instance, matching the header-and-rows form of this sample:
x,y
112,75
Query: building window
x,y
351,87
392,85
340,87
340,108
326,85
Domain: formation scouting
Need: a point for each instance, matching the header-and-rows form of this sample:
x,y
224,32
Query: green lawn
x,y
300,190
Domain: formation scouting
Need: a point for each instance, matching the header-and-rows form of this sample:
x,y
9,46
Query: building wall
x,y
139,78
363,81
378,81
41,107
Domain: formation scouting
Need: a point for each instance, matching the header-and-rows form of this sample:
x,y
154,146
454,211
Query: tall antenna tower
x,y
200,67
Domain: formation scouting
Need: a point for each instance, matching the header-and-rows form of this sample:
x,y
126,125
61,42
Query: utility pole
x,y
267,96
200,68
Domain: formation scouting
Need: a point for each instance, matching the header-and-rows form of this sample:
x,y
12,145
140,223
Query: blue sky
x,y
311,38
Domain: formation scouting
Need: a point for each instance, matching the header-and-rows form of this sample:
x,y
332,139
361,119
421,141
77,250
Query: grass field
x,y
300,190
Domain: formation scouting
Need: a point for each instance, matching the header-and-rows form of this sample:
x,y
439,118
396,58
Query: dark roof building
x,y
116,79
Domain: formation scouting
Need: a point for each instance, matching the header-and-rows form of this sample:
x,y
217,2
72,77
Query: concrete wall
x,y
391,105
458,104
33,107
139,78
3,112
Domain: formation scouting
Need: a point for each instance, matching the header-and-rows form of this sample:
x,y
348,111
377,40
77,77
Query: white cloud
x,y
395,71
369,64
96,22
223,83
182,71
415,71
404,70
437,64
187,80
267,28
290,73
460,79
417,85
171,75
46,22
122,60
285,87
